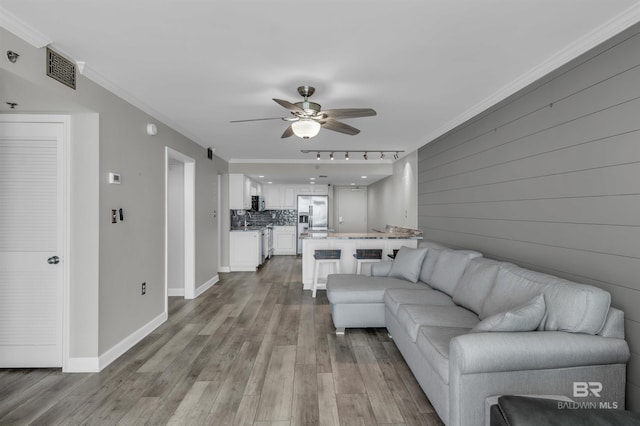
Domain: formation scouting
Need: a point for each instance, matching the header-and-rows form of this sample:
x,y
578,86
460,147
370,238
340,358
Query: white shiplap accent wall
x,y
550,179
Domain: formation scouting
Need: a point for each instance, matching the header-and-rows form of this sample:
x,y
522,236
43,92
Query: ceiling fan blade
x,y
256,119
288,132
288,105
338,126
348,113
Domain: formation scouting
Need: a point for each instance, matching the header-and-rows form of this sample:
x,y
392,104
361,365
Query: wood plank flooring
x,y
253,350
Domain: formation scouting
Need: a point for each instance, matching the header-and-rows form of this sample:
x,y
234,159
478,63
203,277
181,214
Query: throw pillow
x,y
526,317
407,263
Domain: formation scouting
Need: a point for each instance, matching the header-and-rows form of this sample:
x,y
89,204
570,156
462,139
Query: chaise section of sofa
x,y
471,328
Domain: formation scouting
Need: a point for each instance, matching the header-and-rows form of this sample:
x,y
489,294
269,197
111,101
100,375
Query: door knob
x,y
53,260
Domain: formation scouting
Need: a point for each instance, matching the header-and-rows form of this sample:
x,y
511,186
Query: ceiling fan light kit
x,y
307,117
305,128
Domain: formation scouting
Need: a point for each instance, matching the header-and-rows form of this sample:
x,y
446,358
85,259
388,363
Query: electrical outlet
x,y
144,288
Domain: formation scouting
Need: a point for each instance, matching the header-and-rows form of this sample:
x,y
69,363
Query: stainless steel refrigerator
x,y
313,214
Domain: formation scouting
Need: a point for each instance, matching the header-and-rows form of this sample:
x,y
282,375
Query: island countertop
x,y
324,235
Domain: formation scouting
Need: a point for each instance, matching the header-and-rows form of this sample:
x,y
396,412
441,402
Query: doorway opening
x,y
179,225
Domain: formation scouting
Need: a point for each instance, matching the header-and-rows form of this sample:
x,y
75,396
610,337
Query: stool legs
x,y
316,272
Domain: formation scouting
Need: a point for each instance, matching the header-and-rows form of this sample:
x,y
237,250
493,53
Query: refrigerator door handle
x,y
310,216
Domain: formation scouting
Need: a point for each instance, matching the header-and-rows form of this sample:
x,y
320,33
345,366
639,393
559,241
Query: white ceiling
x,y
424,66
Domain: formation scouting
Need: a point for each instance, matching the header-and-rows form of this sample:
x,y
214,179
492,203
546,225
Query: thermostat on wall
x,y
114,178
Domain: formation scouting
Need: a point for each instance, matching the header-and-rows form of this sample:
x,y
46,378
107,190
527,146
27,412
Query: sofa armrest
x,y
381,269
534,350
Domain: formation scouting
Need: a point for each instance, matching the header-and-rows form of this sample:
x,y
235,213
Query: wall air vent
x,y
61,69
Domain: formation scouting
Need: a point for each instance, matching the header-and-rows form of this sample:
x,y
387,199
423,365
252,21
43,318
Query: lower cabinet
x,y
284,240
244,250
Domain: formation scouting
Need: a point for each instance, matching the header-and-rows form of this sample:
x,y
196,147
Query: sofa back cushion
x,y
448,269
572,307
509,291
428,264
476,283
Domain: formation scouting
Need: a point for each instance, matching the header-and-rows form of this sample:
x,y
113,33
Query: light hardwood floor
x,y
253,350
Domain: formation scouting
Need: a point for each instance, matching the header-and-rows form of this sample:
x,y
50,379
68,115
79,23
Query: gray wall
x,y
109,262
550,179
393,200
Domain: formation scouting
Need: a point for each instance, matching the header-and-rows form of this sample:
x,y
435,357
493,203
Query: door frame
x,y
189,224
64,220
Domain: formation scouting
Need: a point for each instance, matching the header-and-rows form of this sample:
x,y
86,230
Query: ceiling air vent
x,y
61,69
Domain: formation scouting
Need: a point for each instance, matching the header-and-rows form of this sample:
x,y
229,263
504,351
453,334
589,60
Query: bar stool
x,y
366,255
395,252
320,257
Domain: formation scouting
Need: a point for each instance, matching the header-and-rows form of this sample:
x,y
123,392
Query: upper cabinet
x,y
241,188
276,197
280,197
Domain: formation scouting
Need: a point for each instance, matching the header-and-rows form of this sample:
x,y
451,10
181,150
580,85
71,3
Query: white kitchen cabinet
x,y
312,189
289,198
271,194
284,240
280,197
241,188
245,249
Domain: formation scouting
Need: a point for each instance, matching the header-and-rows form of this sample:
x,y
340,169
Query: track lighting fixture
x,y
365,154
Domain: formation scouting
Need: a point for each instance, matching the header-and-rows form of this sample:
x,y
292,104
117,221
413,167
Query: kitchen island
x,y
388,239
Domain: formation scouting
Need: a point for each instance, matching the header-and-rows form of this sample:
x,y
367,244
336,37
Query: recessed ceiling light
x,y
312,178
261,176
269,183
312,183
352,183
363,177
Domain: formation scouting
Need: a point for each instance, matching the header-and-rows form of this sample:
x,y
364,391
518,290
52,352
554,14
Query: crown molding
x,y
592,39
21,29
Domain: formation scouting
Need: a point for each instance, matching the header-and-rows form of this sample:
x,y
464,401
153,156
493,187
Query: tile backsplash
x,y
275,217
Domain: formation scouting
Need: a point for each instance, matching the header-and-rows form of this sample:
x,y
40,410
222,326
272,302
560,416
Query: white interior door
x,y
350,209
31,243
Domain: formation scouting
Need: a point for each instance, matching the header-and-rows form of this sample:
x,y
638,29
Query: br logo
x,y
585,389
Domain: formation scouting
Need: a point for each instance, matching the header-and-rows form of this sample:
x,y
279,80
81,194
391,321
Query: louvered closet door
x,y
30,240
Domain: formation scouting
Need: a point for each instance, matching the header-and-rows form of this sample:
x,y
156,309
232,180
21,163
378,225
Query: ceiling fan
x,y
307,117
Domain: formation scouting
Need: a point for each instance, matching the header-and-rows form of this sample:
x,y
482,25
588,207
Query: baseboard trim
x,y
206,286
82,365
175,292
130,341
224,269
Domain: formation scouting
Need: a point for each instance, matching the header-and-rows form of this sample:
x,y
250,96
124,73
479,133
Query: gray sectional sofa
x,y
471,328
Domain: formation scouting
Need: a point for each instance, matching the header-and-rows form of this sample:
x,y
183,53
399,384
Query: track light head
x,y
318,157
365,156
346,156
331,156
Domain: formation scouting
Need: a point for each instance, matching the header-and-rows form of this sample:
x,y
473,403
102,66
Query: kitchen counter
x,y
348,243
359,236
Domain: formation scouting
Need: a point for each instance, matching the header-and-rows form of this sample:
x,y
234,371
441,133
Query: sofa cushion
x,y
407,263
510,290
476,283
433,343
351,288
393,298
380,269
411,317
429,262
526,317
449,268
572,307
